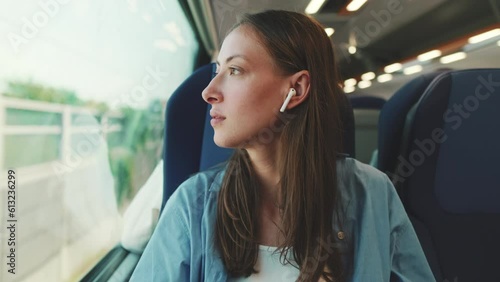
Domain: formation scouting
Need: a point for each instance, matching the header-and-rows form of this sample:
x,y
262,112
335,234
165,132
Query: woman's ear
x,y
300,81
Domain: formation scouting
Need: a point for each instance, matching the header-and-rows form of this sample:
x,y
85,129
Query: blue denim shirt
x,y
383,241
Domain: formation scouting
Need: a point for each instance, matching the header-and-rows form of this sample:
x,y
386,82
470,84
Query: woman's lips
x,y
216,118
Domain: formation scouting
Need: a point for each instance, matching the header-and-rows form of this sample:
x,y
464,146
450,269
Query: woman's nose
x,y
211,94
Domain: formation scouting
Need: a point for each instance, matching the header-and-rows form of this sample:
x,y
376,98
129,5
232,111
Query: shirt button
x,y
340,235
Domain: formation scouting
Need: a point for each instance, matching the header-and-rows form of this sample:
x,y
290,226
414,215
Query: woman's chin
x,y
223,142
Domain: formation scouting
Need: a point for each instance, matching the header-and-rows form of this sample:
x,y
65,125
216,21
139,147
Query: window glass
x,y
83,88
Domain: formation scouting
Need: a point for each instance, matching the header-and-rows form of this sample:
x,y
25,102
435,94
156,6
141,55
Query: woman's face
x,y
246,93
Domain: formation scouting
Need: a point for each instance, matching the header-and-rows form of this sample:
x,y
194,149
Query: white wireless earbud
x,y
287,100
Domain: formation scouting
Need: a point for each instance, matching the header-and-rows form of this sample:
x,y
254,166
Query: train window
x,y
83,85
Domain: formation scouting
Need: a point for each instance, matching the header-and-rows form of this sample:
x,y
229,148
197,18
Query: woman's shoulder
x,y
367,196
209,179
197,188
351,167
360,180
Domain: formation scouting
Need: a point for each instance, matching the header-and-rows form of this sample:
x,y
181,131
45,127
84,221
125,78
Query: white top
x,y
270,268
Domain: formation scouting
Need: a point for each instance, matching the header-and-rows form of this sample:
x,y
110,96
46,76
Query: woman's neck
x,y
264,164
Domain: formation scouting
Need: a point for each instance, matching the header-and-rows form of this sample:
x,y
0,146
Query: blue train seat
x,y
450,177
393,116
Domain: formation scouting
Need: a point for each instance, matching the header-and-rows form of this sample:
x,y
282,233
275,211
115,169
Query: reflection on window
x,y
83,86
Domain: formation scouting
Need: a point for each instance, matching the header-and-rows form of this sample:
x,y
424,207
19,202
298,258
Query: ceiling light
x,y
352,49
392,68
412,69
355,5
453,57
364,84
368,76
314,6
384,77
350,82
329,31
429,55
349,89
484,36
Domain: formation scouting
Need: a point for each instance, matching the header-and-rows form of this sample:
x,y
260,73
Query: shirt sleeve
x,y
408,262
167,255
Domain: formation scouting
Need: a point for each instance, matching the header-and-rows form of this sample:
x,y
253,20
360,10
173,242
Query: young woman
x,y
287,206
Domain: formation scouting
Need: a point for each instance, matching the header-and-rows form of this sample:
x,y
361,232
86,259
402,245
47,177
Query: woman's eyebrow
x,y
232,57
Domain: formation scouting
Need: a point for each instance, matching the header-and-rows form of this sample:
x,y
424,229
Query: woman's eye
x,y
233,71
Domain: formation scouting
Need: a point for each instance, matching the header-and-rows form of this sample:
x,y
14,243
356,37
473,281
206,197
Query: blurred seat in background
x,y
366,115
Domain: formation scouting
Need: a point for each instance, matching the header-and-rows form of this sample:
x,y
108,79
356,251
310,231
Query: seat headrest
x,y
184,127
467,169
392,119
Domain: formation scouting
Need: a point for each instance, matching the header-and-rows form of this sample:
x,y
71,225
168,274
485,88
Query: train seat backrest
x,y
450,174
392,119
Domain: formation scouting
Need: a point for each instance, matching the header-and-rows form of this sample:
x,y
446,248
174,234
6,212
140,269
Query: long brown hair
x,y
309,195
